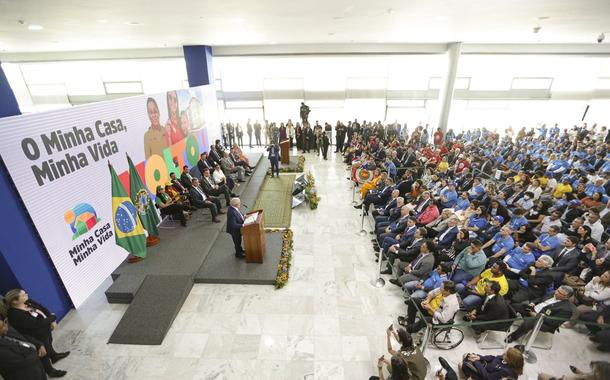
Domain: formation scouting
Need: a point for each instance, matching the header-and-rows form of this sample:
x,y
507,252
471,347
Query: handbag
x,y
574,281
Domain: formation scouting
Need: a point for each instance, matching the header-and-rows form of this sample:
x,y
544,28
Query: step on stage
x,y
202,252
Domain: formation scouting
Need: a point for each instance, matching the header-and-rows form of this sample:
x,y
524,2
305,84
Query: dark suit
x,y
235,222
186,180
420,268
446,238
495,309
200,200
565,263
537,286
377,197
274,159
204,164
396,228
207,184
19,357
562,309
406,253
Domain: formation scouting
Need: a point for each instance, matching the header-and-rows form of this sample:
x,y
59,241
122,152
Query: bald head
x,y
235,202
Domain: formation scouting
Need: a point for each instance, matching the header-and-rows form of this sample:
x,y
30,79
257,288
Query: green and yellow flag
x,y
141,199
128,230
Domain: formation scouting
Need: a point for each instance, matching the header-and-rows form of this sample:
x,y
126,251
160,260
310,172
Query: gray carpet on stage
x,y
156,287
222,267
153,310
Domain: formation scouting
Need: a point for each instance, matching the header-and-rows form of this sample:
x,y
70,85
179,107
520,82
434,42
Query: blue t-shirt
x,y
518,260
462,204
517,222
477,221
502,242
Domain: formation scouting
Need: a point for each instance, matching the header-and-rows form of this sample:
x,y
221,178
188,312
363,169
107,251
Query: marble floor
x,y
327,323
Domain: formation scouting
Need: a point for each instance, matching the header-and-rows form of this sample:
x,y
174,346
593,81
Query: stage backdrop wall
x,y
58,161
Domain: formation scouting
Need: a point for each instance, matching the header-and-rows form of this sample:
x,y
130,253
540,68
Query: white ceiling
x,y
94,25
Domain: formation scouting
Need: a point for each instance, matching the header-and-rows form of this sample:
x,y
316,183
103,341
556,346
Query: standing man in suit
x,y
558,306
235,221
274,158
200,200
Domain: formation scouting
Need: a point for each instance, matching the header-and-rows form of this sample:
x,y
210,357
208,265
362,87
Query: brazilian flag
x,y
141,199
128,230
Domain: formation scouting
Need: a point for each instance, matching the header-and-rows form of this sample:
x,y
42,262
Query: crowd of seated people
x,y
507,226
26,340
220,172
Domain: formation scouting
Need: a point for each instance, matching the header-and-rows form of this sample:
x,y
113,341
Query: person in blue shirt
x,y
559,165
526,202
390,167
501,243
463,203
477,190
518,259
518,220
476,221
449,196
547,243
597,187
419,289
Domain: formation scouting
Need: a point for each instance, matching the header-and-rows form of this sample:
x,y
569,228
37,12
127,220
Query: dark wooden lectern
x,y
285,152
253,233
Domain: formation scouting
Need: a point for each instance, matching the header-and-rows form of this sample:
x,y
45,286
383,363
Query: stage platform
x,y
172,266
222,267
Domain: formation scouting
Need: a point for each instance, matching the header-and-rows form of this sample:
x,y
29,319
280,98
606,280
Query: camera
x,y
601,38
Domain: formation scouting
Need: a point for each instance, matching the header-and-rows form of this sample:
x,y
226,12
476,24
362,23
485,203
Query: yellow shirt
x,y
435,303
487,275
443,166
543,181
561,189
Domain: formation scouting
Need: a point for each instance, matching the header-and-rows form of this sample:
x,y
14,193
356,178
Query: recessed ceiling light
x,y
543,18
132,23
338,18
331,33
35,27
101,21
237,20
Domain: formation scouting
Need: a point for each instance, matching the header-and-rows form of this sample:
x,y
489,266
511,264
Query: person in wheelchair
x,y
440,305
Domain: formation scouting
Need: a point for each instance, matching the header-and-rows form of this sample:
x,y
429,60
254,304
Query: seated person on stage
x,y
499,245
212,189
445,238
178,198
493,308
186,178
534,281
439,307
468,263
170,207
473,292
240,159
204,162
557,306
178,186
518,259
201,200
420,288
34,320
236,172
419,268
221,179
565,261
20,356
406,251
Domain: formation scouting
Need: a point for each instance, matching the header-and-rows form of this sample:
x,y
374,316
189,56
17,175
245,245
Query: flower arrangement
x,y
300,166
283,267
311,193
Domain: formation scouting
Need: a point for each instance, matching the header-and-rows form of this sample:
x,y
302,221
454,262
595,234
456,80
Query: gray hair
x,y
548,260
234,202
400,199
567,290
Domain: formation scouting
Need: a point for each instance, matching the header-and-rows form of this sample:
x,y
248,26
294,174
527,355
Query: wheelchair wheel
x,y
447,339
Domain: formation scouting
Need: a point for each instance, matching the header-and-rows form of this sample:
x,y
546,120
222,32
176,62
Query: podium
x,y
253,234
285,152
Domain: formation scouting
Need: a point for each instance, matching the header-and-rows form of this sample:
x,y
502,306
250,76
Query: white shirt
x,y
219,176
544,304
596,229
547,223
201,192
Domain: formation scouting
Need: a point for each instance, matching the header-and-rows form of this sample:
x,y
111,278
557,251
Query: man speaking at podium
x,y
235,221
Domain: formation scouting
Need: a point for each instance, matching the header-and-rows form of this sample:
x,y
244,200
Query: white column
x,y
446,94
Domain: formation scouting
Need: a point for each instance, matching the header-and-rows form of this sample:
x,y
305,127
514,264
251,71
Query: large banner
x,y
58,161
